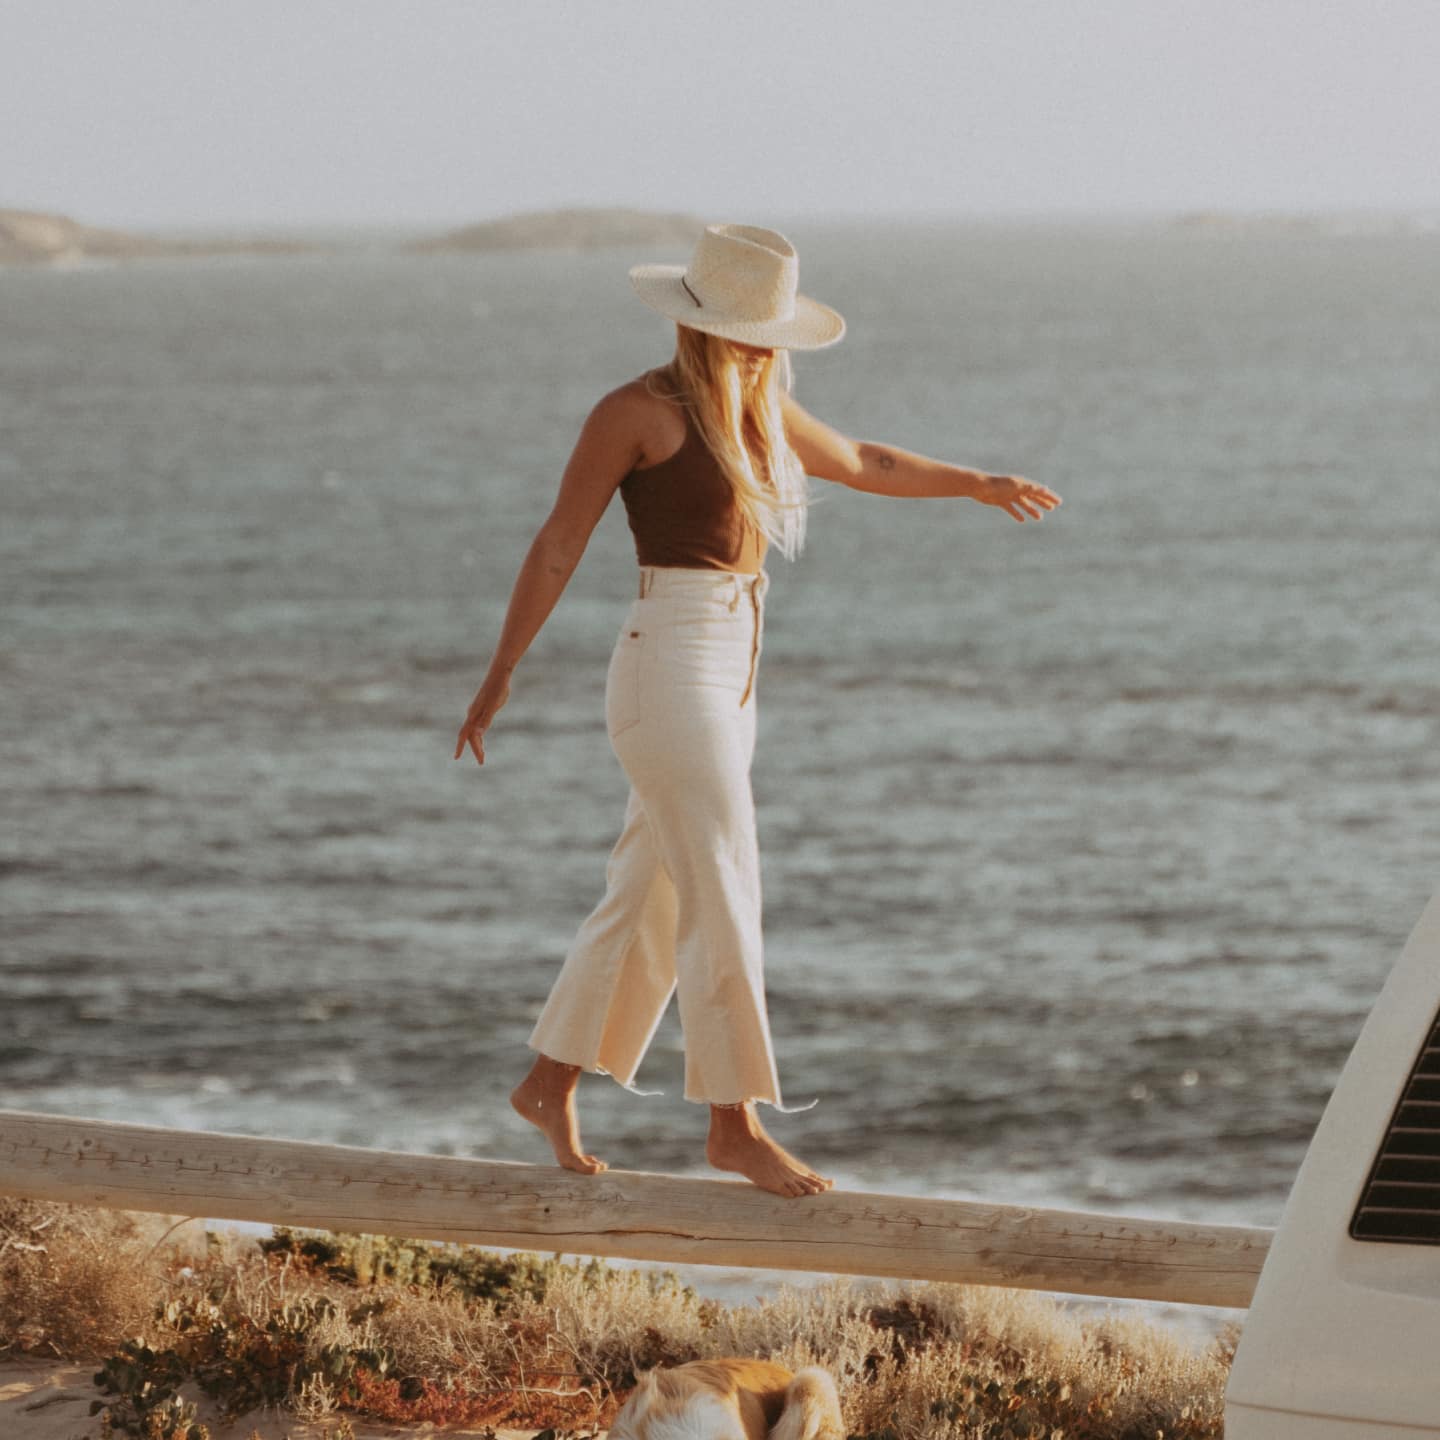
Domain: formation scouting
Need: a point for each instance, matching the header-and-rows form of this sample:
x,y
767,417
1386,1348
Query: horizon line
x,y
1073,214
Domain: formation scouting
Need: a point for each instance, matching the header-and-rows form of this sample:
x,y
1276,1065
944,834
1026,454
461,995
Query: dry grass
x,y
538,1343
72,1280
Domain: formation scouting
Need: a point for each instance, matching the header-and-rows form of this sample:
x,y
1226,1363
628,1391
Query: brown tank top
x,y
683,512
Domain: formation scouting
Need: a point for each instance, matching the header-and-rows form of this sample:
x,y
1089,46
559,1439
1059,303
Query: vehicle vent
x,y
1401,1199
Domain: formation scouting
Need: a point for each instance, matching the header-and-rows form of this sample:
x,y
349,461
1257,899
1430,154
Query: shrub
x,y
410,1332
145,1382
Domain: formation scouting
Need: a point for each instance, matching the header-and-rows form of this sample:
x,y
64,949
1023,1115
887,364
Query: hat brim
x,y
812,327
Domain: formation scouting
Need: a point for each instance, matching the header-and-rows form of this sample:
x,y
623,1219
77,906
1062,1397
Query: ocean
x,y
1087,844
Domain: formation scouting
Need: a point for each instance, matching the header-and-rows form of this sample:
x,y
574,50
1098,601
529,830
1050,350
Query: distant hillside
x,y
572,229
32,237
27,236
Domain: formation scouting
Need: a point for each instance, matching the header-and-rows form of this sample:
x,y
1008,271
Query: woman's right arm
x,y
608,446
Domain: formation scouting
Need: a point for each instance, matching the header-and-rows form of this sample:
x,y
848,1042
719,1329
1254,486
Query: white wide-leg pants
x,y
681,908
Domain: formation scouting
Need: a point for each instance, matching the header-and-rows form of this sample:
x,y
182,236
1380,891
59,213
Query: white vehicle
x,y
1342,1341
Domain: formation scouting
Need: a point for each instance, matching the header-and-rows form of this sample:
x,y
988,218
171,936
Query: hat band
x,y
743,310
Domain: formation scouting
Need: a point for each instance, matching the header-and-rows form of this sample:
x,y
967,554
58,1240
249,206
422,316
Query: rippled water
x,y
1087,845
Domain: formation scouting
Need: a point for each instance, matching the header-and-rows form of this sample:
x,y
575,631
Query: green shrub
x,y
477,1274
243,1365
144,1382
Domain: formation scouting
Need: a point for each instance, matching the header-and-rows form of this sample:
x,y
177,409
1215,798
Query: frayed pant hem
x,y
629,1085
755,1100
595,1069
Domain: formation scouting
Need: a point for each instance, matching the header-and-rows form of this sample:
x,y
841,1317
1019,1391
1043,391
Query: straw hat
x,y
740,284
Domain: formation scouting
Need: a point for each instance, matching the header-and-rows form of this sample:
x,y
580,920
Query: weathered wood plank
x,y
622,1213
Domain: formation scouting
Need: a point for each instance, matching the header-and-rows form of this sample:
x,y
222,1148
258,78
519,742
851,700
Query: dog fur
x,y
731,1399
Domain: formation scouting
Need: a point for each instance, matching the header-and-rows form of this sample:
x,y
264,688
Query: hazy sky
x,y
134,112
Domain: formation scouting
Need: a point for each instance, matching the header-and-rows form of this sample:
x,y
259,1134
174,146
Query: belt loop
x,y
735,592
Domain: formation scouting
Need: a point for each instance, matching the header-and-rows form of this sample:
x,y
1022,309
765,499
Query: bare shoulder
x,y
623,406
608,447
613,428
621,430
657,424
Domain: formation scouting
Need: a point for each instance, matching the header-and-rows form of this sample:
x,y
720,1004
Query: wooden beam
x,y
622,1213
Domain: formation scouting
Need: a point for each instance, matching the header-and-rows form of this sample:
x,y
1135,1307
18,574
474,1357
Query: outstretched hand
x,y
483,708
1018,497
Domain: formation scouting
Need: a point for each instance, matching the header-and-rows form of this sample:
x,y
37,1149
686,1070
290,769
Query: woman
x,y
710,454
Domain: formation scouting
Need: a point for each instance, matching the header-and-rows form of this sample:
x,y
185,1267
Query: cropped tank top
x,y
683,512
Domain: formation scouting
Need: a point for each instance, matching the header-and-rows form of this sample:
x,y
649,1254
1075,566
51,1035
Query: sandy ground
x,y
50,1400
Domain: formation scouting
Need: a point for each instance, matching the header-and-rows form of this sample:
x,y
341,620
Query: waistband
x,y
683,580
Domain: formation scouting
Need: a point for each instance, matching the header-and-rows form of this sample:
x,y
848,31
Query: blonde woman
x,y
710,454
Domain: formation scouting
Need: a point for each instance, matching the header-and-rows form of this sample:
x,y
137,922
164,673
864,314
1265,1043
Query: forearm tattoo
x,y
881,456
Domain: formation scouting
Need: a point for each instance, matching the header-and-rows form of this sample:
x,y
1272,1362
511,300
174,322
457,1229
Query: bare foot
x,y
738,1142
546,1098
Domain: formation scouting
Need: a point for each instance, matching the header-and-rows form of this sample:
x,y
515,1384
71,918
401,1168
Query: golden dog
x,y
731,1399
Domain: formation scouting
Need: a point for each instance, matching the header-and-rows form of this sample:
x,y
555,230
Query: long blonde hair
x,y
738,415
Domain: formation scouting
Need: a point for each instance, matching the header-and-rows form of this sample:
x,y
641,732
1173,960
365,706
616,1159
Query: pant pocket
x,y
701,650
622,682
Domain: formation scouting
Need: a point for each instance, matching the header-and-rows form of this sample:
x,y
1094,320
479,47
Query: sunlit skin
x,y
629,426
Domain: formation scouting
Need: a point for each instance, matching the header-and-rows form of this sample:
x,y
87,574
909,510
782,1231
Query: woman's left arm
x,y
888,470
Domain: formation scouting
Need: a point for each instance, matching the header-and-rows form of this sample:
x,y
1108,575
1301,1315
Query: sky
x,y
276,113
